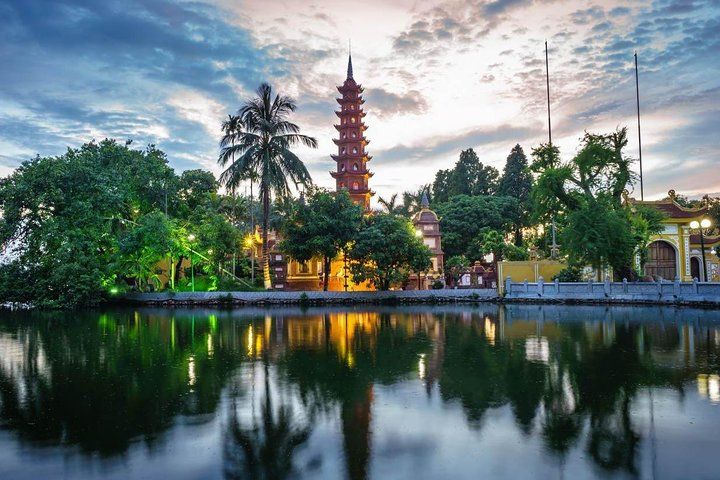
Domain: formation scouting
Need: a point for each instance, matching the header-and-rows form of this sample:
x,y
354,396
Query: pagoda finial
x,y
424,202
349,72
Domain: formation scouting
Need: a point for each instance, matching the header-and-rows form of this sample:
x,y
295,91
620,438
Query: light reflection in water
x,y
349,393
709,387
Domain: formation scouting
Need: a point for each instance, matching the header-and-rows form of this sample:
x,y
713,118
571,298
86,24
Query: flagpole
x,y
547,82
637,95
553,247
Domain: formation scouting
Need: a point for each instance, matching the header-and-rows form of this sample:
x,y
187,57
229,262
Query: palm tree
x,y
390,205
257,146
412,201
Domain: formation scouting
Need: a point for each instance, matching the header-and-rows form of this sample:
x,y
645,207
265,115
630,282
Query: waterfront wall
x,y
676,292
672,293
310,297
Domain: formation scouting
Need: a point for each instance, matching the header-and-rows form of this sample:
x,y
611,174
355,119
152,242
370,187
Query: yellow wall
x,y
529,270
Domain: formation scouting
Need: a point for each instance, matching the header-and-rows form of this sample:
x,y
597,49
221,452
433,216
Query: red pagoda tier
x,y
352,173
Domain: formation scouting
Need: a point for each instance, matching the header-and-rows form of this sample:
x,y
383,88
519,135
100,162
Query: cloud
x,y
444,146
385,104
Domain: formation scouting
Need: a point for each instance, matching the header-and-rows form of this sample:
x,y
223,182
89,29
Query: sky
x,y
439,77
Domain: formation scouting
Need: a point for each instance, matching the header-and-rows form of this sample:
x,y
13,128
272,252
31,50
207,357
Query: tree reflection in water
x,y
572,379
266,449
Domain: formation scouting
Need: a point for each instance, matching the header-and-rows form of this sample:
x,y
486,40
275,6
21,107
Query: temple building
x,y
427,226
677,250
351,171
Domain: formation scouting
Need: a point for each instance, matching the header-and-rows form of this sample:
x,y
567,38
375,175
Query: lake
x,y
461,392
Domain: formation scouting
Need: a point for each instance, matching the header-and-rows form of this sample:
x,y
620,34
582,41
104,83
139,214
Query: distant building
x,y
676,251
427,226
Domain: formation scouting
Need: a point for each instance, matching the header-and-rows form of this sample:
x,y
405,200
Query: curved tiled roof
x,y
672,208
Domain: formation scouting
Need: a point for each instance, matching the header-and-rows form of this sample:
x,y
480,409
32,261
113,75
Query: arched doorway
x,y
695,270
661,260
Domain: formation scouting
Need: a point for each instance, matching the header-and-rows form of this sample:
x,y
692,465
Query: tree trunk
x,y
327,263
178,266
266,253
518,236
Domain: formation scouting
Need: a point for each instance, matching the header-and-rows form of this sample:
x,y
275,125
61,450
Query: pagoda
x,y
351,172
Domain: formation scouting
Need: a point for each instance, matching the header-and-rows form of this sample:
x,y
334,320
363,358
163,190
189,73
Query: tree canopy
x,y
386,250
468,177
323,226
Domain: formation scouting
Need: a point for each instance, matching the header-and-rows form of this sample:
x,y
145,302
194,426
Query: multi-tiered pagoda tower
x,y
352,173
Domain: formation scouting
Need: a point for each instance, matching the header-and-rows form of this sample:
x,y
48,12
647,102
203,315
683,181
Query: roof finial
x,y
350,70
424,202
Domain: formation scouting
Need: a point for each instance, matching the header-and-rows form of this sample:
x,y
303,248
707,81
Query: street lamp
x,y
191,238
702,225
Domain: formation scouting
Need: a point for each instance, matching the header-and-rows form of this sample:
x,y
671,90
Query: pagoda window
x,y
355,186
352,119
355,167
354,135
354,149
342,184
342,167
352,107
342,151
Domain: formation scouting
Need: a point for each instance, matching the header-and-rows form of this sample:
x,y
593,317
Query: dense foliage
x,y
386,250
322,226
586,193
101,217
468,177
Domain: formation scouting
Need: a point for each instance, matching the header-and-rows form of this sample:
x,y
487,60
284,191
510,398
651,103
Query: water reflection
x,y
329,393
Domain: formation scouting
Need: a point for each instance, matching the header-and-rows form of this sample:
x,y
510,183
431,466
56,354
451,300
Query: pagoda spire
x,y
352,173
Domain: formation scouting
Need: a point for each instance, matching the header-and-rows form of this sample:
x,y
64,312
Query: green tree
x,y
468,177
454,268
587,191
390,205
260,148
197,188
322,227
464,217
516,182
143,246
412,200
385,251
61,217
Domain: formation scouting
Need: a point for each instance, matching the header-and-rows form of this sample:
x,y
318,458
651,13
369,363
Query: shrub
x,y
570,273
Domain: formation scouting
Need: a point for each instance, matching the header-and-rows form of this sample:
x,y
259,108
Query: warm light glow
x,y
714,388
250,341
191,371
191,237
210,346
489,331
114,290
418,233
705,223
694,224
421,367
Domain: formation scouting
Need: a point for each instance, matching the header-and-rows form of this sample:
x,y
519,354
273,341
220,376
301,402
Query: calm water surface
x,y
418,393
